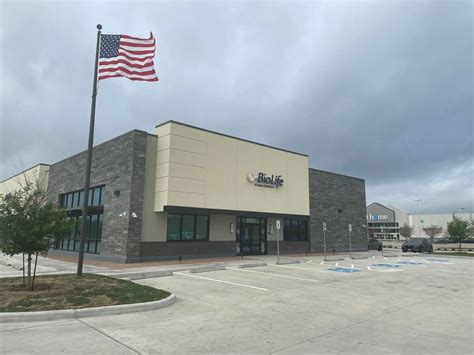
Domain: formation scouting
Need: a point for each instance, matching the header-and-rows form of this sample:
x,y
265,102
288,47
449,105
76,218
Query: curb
x,y
143,275
287,262
334,258
205,268
244,266
359,257
7,317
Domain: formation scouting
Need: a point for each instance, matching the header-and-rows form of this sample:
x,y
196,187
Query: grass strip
x,y
55,292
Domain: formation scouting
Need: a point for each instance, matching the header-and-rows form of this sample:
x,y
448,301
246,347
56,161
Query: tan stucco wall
x,y
153,224
219,228
197,168
38,172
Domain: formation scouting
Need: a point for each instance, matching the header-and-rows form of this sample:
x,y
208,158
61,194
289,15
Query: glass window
x,y
294,229
187,227
100,223
91,196
287,229
102,196
80,199
93,226
303,231
174,227
75,199
96,198
202,223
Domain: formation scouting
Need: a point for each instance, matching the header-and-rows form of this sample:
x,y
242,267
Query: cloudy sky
x,y
381,91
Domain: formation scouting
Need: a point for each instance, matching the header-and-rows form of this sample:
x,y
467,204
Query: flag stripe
x,y
143,71
136,38
148,63
138,44
151,77
126,56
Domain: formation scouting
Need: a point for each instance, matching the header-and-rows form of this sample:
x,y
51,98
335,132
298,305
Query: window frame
x,y
295,238
194,239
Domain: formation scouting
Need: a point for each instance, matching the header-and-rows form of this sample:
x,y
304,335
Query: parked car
x,y
375,244
443,240
419,245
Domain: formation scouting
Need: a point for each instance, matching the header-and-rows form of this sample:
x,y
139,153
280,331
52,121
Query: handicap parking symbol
x,y
343,269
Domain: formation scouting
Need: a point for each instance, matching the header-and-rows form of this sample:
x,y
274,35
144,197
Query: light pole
x,y
418,216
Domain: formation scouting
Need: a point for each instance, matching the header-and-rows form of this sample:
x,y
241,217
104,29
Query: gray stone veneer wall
x,y
337,200
119,164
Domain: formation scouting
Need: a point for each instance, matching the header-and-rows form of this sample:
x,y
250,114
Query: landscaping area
x,y
55,292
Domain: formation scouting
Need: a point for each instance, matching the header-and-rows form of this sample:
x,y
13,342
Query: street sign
x,y
350,227
278,224
324,226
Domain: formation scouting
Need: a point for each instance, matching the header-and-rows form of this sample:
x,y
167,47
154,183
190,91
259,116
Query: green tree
x,y
458,230
30,224
432,231
406,231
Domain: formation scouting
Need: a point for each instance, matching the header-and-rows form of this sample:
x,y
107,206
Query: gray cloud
x,y
379,91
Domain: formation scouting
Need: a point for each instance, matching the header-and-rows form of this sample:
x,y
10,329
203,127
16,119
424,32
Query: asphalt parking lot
x,y
415,304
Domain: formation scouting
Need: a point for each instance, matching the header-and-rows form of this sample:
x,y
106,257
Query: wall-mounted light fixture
x,y
117,193
271,228
231,229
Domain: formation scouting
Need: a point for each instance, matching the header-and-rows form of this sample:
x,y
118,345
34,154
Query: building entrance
x,y
251,236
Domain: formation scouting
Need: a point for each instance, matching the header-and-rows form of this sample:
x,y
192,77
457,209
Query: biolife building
x,y
186,191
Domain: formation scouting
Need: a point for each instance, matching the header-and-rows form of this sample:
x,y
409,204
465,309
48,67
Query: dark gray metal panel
x,y
337,200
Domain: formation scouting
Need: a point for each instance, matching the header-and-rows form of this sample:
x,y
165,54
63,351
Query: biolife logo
x,y
262,180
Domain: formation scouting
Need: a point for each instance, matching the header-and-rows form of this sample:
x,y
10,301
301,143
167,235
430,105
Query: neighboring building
x,y
384,222
37,173
186,191
434,219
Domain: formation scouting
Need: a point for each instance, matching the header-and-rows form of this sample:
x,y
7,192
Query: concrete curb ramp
x,y
8,317
243,266
285,262
143,275
206,268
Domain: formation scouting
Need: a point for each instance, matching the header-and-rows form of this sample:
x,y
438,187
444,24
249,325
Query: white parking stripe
x,y
225,282
276,275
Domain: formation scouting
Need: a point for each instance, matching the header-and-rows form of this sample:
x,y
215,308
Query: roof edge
x,y
24,171
229,136
330,172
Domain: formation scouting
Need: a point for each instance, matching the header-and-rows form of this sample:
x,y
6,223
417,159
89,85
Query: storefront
x,y
188,192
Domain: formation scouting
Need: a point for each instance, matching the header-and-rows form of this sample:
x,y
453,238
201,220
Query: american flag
x,y
130,57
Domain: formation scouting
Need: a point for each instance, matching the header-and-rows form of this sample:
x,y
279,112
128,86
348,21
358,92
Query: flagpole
x,y
85,205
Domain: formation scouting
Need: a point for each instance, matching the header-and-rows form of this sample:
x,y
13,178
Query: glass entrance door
x,y
251,236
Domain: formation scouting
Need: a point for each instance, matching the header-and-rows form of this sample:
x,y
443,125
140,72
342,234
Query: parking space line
x,y
222,281
276,275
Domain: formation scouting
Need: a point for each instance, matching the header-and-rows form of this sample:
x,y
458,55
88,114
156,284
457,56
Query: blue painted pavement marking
x,y
343,269
438,261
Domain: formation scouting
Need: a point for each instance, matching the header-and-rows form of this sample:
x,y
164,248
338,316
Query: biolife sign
x,y
264,180
377,217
